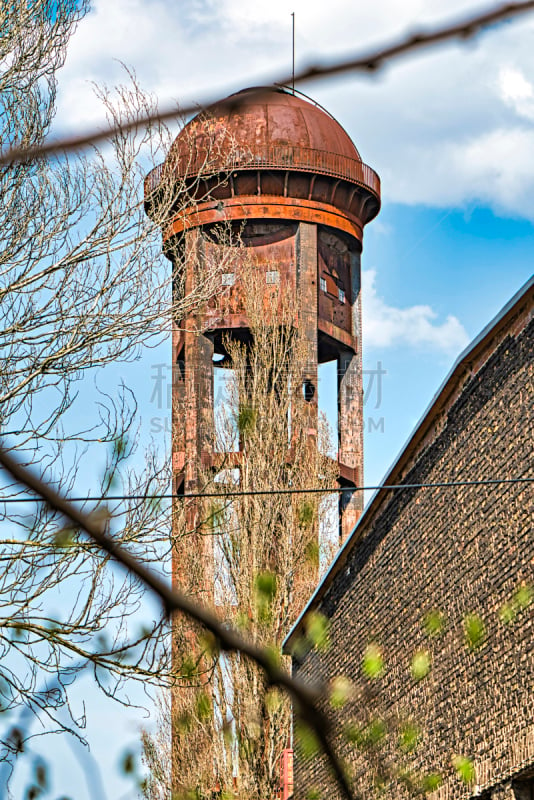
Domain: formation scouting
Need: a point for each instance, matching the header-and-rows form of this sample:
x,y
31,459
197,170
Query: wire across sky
x,y
491,482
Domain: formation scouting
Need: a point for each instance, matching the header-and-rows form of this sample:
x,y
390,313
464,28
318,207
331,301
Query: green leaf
x,y
421,662
306,514
188,667
186,794
376,731
407,777
341,691
352,733
184,722
273,653
153,505
299,647
209,644
246,420
317,629
110,478
409,737
475,631
64,537
242,621
435,622
307,740
464,767
41,775
128,763
369,736
203,704
120,445
507,613
273,701
312,553
266,585
432,781
372,661
102,642
523,596
18,633
380,783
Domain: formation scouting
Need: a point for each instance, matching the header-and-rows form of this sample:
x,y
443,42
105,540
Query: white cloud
x,y
517,91
415,326
381,228
498,167
430,124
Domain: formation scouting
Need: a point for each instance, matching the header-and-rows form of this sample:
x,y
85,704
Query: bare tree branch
x,y
307,698
369,62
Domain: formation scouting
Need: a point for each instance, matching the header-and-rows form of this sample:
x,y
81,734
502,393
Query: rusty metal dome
x,y
267,142
261,119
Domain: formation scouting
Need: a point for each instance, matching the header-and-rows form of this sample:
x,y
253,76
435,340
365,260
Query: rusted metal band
x,y
274,207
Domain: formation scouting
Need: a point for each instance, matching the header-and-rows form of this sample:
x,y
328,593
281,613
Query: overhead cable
x,y
286,491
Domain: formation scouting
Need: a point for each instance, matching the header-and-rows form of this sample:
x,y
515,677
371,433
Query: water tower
x,y
280,170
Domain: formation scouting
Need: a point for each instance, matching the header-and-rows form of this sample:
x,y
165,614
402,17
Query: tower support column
x,y
350,438
198,391
307,317
193,555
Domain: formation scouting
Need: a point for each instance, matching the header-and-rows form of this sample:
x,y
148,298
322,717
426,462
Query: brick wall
x,y
460,550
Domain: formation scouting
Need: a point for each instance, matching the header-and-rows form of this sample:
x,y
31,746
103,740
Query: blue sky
x,y
466,264
451,135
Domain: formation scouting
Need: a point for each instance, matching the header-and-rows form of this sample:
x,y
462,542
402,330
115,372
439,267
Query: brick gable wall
x,y
461,550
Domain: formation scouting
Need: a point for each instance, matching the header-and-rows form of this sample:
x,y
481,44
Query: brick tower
x,y
283,169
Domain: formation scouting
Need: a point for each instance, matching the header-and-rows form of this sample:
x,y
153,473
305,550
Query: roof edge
x,y
420,430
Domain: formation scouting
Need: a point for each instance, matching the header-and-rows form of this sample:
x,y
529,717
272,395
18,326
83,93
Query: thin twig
x,y
307,698
366,63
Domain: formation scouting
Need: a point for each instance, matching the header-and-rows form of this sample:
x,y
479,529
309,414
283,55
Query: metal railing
x,y
205,164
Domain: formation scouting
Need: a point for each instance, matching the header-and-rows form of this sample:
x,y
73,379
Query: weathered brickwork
x,y
461,550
